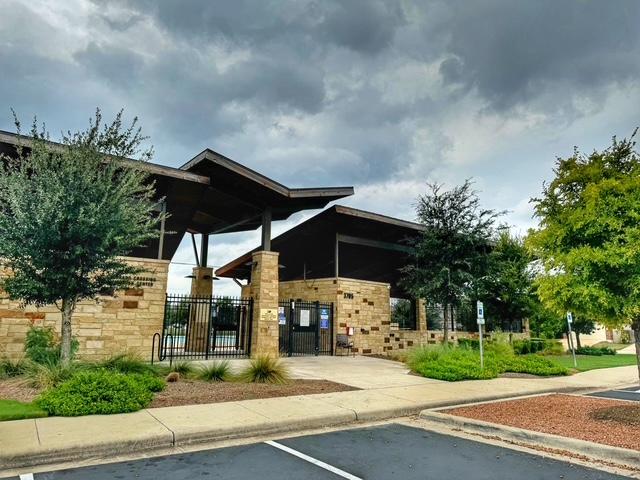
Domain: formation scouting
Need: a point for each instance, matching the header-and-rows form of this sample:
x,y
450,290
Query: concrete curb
x,y
177,433
87,452
174,427
599,451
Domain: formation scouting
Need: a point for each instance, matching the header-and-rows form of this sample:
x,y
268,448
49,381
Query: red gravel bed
x,y
586,418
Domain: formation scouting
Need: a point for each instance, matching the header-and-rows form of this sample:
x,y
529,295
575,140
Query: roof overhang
x,y
371,247
238,196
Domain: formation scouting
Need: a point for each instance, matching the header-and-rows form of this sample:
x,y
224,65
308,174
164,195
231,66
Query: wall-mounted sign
x,y
282,317
304,317
324,318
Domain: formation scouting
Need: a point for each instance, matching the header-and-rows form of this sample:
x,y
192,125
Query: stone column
x,y
264,291
421,317
198,328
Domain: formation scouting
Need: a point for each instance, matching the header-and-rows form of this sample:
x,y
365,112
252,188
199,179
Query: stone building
x,y
335,274
350,259
209,195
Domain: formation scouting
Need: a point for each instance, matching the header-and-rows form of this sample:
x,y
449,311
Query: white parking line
x,y
315,461
26,476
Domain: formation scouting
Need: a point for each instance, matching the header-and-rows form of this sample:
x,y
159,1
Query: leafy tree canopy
x,y
452,252
588,241
68,212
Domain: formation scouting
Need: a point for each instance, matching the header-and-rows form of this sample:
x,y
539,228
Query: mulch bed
x,y
191,392
187,392
599,420
17,389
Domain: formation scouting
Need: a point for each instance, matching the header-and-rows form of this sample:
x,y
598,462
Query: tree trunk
x,y
577,340
635,326
445,325
68,306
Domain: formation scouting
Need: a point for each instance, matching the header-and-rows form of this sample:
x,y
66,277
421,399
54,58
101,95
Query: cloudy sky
x,y
383,95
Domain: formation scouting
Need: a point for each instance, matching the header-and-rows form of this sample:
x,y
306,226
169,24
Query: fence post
x,y
317,315
292,314
331,340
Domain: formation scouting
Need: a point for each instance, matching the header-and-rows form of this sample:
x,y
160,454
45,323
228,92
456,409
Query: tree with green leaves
x,y
69,212
451,254
588,240
507,287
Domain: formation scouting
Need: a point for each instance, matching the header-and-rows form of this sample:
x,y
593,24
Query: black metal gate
x,y
198,327
306,328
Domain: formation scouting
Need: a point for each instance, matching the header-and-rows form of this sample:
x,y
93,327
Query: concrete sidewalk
x,y
56,439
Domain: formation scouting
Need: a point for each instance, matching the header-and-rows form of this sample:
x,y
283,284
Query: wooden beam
x,y
367,242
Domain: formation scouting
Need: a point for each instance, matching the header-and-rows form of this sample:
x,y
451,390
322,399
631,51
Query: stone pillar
x,y
200,311
202,281
421,317
264,291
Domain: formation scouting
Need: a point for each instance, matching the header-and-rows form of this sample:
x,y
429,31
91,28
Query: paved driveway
x,y
385,452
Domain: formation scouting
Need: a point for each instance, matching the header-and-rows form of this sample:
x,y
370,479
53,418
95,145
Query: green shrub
x,y
11,368
151,382
41,347
128,363
215,372
451,364
532,364
596,351
265,369
472,343
99,392
463,363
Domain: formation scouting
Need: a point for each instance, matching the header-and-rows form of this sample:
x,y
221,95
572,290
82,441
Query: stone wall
x,y
124,323
366,307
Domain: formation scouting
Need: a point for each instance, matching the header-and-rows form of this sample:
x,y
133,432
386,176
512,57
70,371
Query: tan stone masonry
x,y
365,306
112,325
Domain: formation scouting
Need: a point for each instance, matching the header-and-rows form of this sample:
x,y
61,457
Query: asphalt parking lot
x,y
630,393
381,452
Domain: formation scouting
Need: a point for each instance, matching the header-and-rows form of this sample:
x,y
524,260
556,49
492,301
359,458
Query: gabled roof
x,y
372,247
211,194
245,193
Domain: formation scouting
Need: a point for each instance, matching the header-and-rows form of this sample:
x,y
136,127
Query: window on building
x,y
404,314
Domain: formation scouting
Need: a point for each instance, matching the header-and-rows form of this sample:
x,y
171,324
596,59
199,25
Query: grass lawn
x,y
13,410
615,346
591,362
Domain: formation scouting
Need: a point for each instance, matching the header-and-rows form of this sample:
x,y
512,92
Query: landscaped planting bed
x,y
188,392
192,392
611,422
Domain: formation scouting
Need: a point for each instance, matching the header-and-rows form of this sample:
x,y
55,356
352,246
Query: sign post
x,y
570,338
480,312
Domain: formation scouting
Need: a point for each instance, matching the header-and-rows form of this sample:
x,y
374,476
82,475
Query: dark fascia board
x,y
354,212
152,168
219,159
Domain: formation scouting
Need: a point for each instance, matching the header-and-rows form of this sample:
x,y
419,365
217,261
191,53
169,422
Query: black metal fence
x,y
201,327
463,318
306,328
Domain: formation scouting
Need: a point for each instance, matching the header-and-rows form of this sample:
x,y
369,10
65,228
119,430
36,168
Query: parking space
x,y
381,452
629,393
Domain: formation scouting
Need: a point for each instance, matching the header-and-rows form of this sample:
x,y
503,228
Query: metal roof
x,y
212,194
371,247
